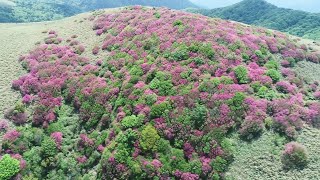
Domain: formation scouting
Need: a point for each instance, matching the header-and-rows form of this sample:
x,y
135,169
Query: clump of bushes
x,y
17,114
241,73
95,50
294,156
272,65
157,110
274,75
149,138
48,147
251,128
199,115
132,121
9,167
178,23
163,83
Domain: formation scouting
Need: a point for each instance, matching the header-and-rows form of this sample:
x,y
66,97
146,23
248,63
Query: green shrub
x,y
157,15
229,148
208,86
245,57
178,23
207,51
236,103
123,154
181,53
179,162
255,86
198,61
259,54
33,158
291,61
155,83
266,93
157,110
9,167
199,115
48,147
262,91
268,122
195,166
149,138
136,70
163,146
131,121
163,83
274,75
219,164
134,79
272,65
166,88
55,127
241,74
151,99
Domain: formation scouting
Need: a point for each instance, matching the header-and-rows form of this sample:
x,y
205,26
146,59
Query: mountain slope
x,y
150,93
45,10
262,13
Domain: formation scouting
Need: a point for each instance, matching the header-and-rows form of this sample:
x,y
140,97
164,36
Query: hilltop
x,y
147,93
262,13
12,11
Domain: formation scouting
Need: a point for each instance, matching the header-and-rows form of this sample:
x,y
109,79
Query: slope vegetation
x,y
262,13
143,93
45,10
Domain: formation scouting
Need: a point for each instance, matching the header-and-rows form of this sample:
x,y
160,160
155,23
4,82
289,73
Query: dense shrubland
x,y
161,104
261,13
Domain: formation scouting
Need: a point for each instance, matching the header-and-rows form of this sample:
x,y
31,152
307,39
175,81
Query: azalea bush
x,y
294,155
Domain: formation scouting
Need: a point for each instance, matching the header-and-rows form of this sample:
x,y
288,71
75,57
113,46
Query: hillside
x,y
154,93
45,10
262,13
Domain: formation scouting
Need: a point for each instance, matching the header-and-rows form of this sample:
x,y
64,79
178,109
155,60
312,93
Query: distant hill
x,y
44,10
262,13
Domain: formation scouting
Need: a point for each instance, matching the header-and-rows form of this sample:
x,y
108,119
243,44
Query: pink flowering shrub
x,y
294,155
95,50
85,140
57,136
250,128
285,87
11,135
317,95
3,125
17,114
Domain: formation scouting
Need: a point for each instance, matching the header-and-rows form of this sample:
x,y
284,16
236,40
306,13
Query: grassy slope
x,y
255,160
44,10
259,159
